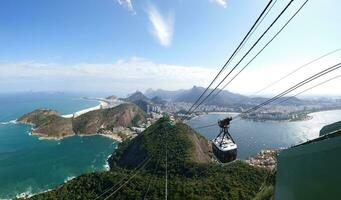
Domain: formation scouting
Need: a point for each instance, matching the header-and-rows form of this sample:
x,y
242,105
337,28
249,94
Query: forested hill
x,y
48,123
191,173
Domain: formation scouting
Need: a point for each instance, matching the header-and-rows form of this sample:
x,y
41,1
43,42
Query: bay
x,y
29,165
252,136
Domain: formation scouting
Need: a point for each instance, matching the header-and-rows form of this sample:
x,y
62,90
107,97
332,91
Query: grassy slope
x,y
188,178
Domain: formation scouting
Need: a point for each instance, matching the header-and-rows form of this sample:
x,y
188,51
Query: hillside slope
x,y
48,123
122,115
139,99
184,146
191,175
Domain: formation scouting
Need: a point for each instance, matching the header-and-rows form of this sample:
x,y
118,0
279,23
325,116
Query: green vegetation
x,y
123,115
49,123
190,175
267,190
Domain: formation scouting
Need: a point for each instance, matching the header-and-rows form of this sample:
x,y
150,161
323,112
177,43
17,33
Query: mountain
x,y
111,97
191,95
191,173
136,96
225,98
158,100
123,115
164,94
49,124
139,99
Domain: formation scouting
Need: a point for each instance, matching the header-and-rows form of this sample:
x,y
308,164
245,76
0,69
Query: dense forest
x,y
138,172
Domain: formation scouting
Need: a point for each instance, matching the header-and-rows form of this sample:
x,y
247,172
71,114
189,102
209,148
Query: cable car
x,y
223,146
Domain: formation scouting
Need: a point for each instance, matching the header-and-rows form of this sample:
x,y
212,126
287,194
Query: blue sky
x,y
119,46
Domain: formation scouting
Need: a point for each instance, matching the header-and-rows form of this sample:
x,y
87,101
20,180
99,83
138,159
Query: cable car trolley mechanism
x,y
223,146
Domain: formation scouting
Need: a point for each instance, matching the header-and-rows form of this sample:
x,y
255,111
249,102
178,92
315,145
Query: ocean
x,y
251,136
29,165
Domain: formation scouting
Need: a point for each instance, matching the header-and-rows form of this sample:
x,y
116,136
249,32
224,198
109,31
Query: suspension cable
x,y
317,85
119,182
220,90
249,33
286,7
296,86
128,180
297,69
166,183
300,84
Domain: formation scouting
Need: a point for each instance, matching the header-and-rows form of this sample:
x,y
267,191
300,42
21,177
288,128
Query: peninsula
x,y
49,124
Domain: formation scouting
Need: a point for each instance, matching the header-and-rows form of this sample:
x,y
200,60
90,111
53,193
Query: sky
x,y
120,46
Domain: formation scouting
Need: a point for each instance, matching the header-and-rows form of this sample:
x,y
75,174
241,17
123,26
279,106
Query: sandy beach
x,y
102,104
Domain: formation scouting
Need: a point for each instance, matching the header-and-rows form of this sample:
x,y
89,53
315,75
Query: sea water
x,y
29,165
252,137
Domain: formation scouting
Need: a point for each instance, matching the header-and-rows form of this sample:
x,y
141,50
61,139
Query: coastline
x,y
213,113
110,136
309,116
102,104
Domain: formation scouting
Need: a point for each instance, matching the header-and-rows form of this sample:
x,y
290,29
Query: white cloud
x,y
126,76
162,27
222,3
123,76
127,4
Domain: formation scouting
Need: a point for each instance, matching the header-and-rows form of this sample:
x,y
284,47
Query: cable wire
x,y
119,182
286,7
233,54
127,180
317,85
298,85
220,90
201,127
294,71
166,183
150,180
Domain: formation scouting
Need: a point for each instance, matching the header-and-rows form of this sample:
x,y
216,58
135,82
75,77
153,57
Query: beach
x,y
102,105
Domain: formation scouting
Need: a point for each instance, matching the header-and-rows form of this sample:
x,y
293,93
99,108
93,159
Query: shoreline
x,y
309,116
102,104
44,137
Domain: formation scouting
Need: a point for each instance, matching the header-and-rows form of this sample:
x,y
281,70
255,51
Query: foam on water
x,y
106,165
69,178
14,121
27,194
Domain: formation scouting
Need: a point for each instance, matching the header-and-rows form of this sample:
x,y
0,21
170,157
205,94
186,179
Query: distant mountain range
x,y
142,101
225,98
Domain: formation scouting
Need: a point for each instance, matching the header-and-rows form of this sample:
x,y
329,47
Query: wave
x,y
26,194
9,122
106,165
69,178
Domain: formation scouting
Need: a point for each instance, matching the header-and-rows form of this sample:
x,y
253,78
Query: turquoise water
x,y
29,165
251,137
